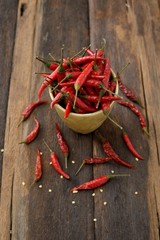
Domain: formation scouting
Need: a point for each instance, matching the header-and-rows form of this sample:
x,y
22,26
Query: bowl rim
x,y
85,114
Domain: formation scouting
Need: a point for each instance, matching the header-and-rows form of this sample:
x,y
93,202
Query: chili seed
x,y
23,183
137,159
112,171
101,190
2,150
93,194
105,203
73,202
50,190
73,162
95,219
40,186
61,176
75,191
136,193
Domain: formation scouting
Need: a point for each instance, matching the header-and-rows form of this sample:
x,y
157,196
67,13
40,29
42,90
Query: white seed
x,y
95,219
73,162
137,159
2,150
75,191
50,190
61,176
73,202
93,194
40,186
105,203
101,190
41,153
136,193
112,171
23,183
50,163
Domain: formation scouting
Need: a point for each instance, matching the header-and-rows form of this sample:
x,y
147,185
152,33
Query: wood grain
x,y
127,207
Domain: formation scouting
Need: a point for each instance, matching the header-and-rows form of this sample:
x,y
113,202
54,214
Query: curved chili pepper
x,y
96,160
31,136
130,146
62,143
111,153
97,182
29,109
137,111
68,108
128,92
55,163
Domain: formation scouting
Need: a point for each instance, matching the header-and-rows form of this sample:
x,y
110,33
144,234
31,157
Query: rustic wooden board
x,y
131,30
7,37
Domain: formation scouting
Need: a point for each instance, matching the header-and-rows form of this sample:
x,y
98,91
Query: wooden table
x,y
126,208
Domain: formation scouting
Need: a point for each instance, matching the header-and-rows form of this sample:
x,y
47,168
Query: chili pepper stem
x,y
20,122
77,87
47,146
115,123
118,175
66,161
146,131
80,168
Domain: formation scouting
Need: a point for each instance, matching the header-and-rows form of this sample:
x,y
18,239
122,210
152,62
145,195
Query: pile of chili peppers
x,y
84,83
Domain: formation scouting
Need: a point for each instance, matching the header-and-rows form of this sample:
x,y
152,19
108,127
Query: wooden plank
x,y
38,213
7,11
130,39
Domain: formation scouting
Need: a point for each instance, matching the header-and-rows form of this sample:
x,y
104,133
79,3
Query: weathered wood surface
x,y
30,28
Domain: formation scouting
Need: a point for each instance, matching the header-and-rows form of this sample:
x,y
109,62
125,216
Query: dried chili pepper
x,y
111,153
55,163
130,146
95,99
97,182
96,160
31,136
128,92
62,143
137,111
29,109
38,168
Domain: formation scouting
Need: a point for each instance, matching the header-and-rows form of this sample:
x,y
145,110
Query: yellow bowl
x,y
83,123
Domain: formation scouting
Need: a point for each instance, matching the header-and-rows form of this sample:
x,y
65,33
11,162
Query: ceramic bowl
x,y
82,123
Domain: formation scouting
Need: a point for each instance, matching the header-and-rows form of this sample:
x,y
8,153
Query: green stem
x,y
83,162
115,123
47,146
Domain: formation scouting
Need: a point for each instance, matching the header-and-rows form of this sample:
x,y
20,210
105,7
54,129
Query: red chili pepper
x,y
107,73
29,109
58,97
82,78
62,143
137,111
97,182
111,153
130,146
51,65
96,160
38,168
55,163
68,108
95,99
31,136
128,92
106,107
85,59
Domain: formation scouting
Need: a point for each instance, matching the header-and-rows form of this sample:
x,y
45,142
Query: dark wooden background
x,y
132,32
